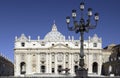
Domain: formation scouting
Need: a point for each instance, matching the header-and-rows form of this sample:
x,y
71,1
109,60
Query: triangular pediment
x,y
22,38
60,46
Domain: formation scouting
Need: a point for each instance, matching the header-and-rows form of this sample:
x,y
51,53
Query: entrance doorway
x,y
75,68
95,67
59,68
43,69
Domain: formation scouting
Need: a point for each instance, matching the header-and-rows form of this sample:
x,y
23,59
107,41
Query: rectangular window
x,y
43,44
84,44
94,44
76,43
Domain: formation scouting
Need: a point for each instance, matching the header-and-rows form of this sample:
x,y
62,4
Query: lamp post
x,y
82,26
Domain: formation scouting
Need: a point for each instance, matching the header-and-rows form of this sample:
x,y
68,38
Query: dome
x,y
54,35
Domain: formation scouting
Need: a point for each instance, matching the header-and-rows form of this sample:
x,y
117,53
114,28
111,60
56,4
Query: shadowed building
x,y
112,67
6,67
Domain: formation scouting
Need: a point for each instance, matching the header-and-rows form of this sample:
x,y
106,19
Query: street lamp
x,y
82,26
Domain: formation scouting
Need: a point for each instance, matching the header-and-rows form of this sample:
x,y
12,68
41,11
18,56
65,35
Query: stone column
x,y
56,64
38,64
47,64
86,60
50,63
72,63
64,62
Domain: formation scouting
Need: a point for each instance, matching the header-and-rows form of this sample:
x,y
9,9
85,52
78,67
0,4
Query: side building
x,y
112,66
54,54
6,66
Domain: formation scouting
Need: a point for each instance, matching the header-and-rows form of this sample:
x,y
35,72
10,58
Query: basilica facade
x,y
55,54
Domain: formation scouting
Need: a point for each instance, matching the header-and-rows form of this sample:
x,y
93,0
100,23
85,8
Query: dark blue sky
x,y
35,17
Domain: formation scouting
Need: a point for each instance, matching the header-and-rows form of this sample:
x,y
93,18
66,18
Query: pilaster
x,y
17,65
28,64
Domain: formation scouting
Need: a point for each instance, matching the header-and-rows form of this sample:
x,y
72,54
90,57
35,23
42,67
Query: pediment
x,y
22,38
62,46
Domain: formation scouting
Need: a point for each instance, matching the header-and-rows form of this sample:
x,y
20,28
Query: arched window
x,y
23,44
22,68
95,67
60,57
110,69
43,69
118,56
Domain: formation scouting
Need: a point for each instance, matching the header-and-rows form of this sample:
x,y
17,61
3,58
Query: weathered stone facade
x,y
6,66
112,67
